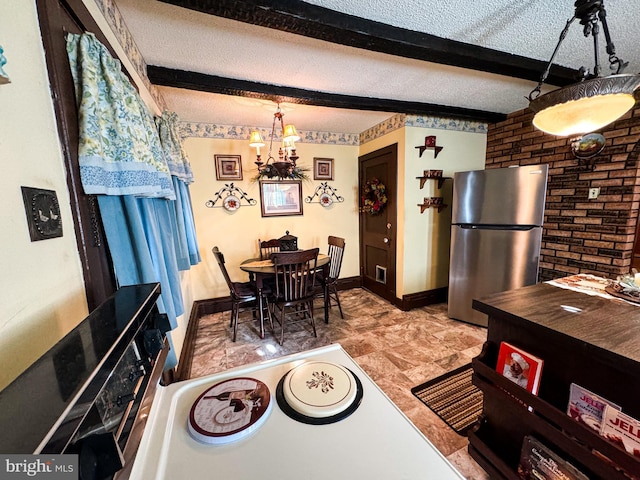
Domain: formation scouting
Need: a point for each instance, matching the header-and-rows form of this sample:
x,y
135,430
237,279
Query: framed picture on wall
x,y
322,168
281,197
228,167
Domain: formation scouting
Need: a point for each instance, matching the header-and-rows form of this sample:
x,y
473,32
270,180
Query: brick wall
x,y
579,235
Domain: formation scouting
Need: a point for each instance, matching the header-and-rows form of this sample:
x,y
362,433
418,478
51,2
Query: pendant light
x,y
285,166
595,101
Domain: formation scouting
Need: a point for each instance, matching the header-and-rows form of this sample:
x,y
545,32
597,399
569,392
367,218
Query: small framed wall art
x,y
228,167
322,168
282,197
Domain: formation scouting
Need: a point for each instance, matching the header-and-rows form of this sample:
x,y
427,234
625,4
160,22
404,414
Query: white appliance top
x,y
376,441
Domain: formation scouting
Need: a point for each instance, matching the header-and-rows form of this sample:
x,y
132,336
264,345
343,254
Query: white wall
x,y
41,286
423,242
236,233
427,235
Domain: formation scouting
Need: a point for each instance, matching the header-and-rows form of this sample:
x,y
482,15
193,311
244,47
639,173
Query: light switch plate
x,y
594,192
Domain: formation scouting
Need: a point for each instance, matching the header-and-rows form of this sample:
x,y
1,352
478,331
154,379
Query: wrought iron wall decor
x,y
430,143
326,195
230,202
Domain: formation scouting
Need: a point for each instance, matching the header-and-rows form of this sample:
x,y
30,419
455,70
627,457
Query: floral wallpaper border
x,y
401,120
205,130
210,130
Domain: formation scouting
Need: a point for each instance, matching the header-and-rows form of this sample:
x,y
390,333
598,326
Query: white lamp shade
x,y
586,106
583,116
290,134
256,140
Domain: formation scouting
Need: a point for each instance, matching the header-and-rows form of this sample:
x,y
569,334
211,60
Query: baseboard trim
x,y
183,372
422,299
349,283
212,305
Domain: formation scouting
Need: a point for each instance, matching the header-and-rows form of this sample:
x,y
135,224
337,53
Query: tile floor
x,y
398,350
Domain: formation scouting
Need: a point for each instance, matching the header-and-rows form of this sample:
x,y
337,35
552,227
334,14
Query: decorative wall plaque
x,y
43,213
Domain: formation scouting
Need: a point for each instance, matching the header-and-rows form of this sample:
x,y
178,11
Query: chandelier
x,y
594,101
285,167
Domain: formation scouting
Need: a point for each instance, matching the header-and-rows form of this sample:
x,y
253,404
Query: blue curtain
x,y
143,250
184,214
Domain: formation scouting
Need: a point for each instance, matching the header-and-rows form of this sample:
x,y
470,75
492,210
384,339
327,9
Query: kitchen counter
x,y
609,325
582,338
375,441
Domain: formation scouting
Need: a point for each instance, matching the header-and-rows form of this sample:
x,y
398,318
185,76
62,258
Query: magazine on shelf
x,y
587,407
519,366
621,429
538,462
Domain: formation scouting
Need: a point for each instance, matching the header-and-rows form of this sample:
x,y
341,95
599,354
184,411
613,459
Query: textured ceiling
x,y
179,38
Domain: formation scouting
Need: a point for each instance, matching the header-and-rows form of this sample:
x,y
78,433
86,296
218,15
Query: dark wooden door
x,y
56,19
378,232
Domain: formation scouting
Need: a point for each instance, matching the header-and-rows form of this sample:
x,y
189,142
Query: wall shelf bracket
x,y
434,202
430,143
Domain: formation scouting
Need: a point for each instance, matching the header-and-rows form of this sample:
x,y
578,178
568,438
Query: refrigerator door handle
x,y
523,228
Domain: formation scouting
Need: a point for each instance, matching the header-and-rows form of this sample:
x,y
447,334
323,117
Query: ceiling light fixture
x,y
285,167
595,101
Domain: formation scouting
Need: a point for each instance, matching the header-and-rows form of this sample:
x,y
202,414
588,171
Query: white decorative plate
x,y
319,389
231,203
230,410
325,200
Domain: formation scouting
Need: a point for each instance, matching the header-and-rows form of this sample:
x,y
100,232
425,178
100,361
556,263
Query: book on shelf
x,y
587,407
539,462
621,429
519,366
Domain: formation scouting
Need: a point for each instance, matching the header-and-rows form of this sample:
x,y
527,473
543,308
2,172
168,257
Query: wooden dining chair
x,y
243,296
335,252
294,289
267,247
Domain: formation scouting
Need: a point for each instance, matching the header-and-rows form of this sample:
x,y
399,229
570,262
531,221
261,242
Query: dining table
x,y
262,269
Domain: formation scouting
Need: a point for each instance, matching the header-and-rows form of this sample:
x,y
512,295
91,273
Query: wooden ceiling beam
x,y
280,94
300,18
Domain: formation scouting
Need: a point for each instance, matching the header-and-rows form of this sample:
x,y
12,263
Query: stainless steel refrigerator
x,y
496,231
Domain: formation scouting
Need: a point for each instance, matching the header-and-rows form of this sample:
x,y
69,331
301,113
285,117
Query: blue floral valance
x,y
177,160
119,147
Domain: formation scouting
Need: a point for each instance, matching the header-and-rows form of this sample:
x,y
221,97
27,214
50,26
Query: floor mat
x,y
453,398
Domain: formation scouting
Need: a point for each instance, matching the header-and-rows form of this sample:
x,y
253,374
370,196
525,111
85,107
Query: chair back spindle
x,y
295,280
336,250
223,268
328,289
267,247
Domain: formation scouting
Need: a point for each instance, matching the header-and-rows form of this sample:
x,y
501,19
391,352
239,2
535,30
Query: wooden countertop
x,y
609,324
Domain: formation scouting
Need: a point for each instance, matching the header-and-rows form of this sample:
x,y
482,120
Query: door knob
x,y
385,240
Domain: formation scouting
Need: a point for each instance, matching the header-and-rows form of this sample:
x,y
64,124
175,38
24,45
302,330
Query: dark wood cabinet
x,y
91,393
589,340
